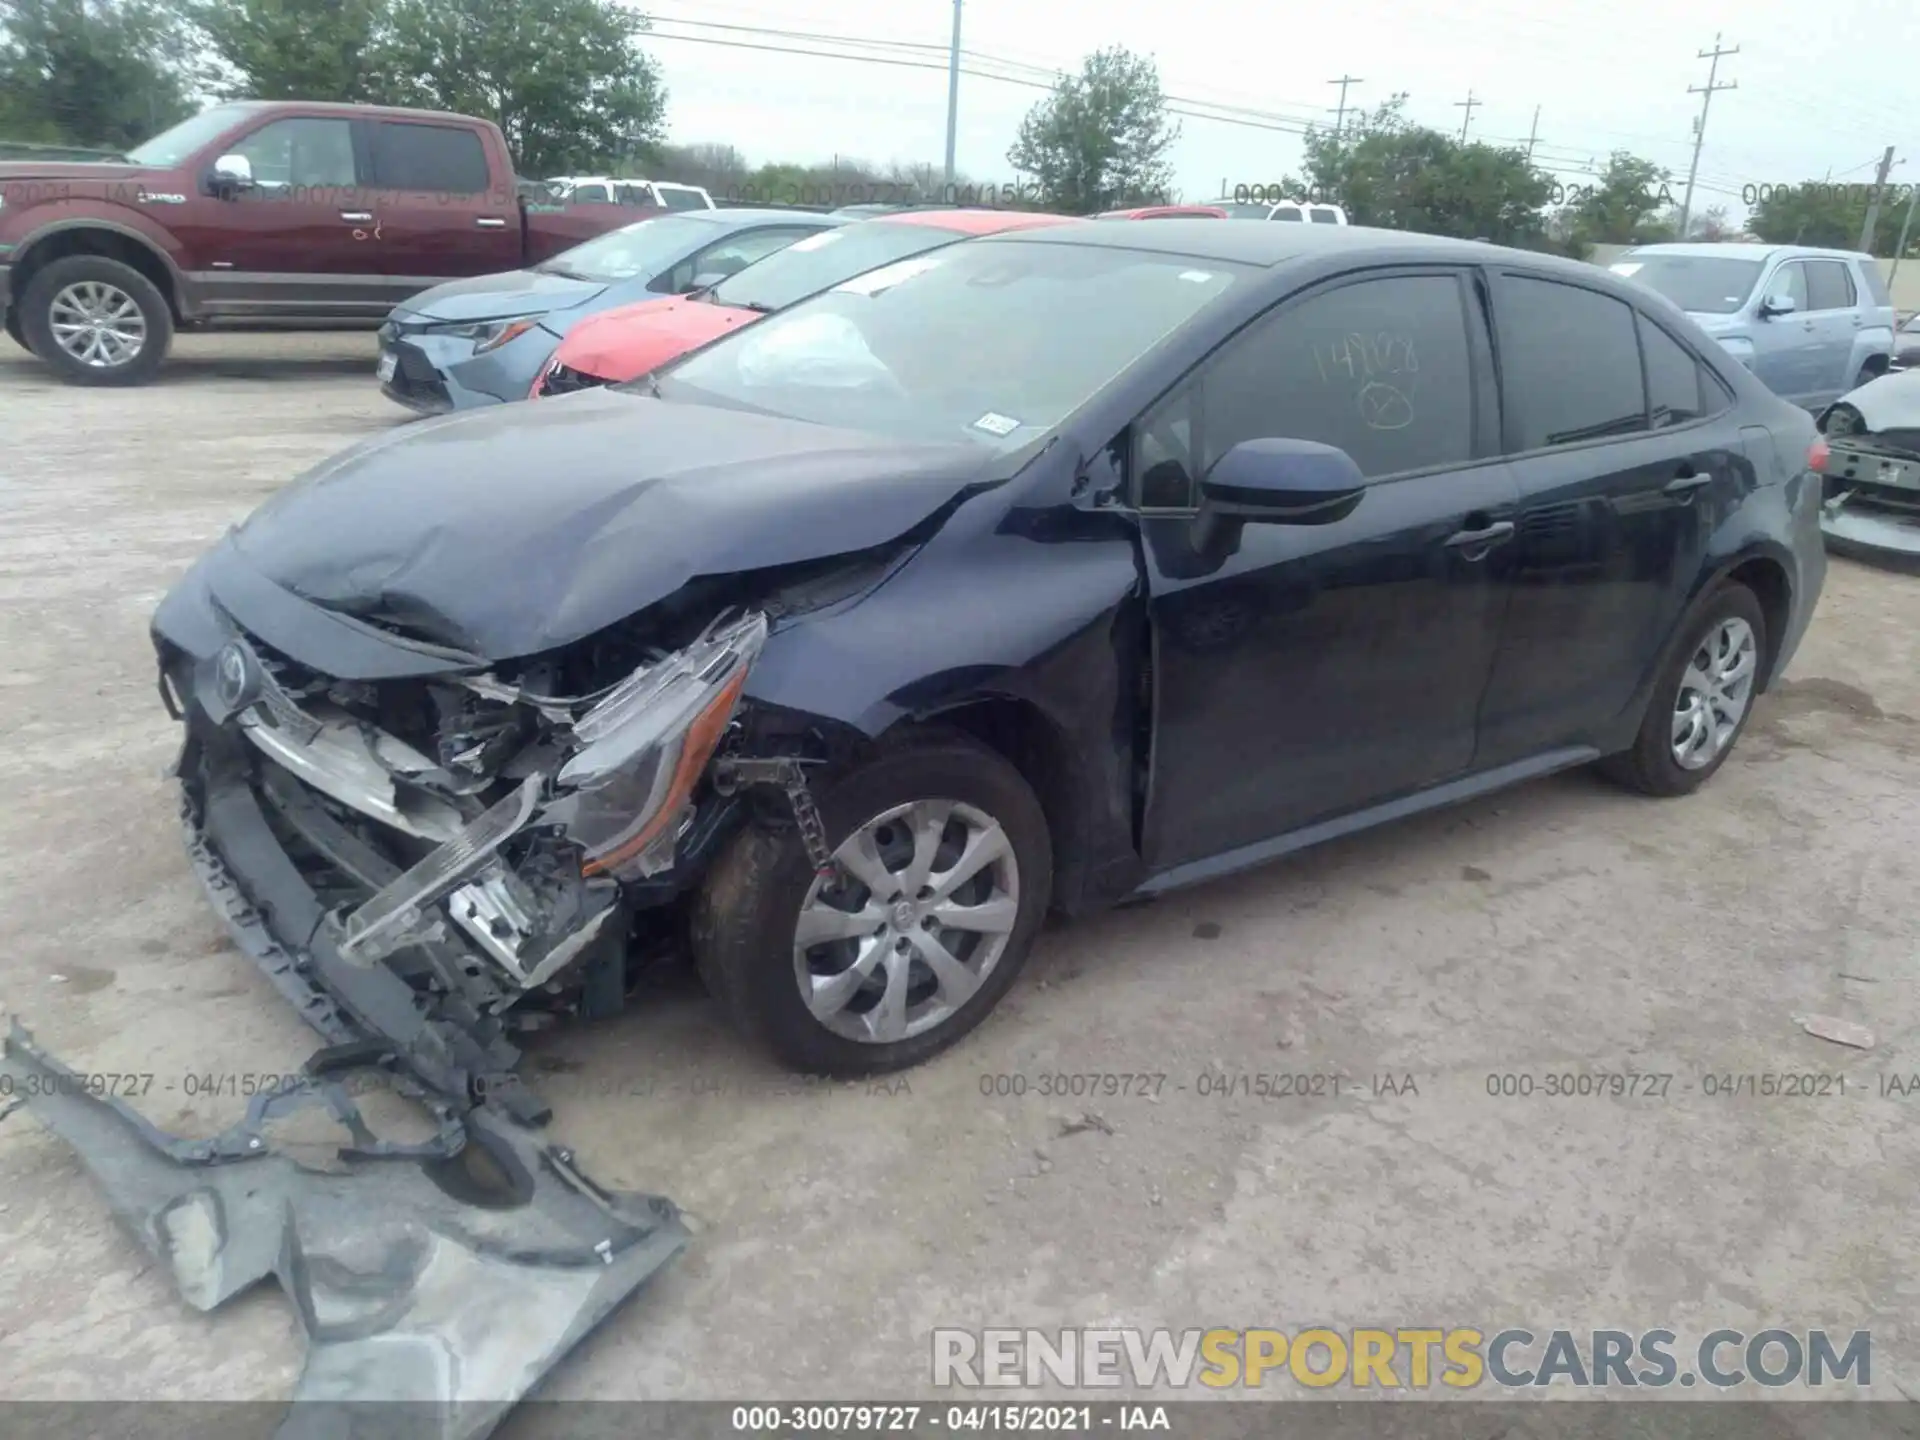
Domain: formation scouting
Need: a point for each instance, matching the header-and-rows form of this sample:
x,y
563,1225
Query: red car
x,y
625,343
1167,212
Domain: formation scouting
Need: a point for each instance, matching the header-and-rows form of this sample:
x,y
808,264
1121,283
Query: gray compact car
x,y
1811,324
471,343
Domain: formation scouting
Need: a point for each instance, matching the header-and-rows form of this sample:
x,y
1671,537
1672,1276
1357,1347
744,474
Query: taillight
x,y
1817,454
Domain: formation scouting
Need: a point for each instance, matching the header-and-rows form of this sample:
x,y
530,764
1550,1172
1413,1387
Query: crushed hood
x,y
509,532
493,297
1890,402
626,343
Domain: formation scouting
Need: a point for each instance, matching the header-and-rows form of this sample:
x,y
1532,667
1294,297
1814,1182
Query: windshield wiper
x,y
755,306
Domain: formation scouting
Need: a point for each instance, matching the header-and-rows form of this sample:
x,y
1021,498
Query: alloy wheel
x,y
907,923
1715,690
98,324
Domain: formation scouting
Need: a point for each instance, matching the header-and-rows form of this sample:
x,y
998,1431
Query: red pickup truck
x,y
257,211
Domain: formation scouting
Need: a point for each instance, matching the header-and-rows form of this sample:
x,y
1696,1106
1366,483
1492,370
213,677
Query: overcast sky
x,y
1821,87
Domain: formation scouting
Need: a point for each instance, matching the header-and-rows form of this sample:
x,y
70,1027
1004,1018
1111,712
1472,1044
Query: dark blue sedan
x,y
479,342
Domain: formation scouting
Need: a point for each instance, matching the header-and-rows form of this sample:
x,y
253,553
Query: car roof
x,y
973,222
1743,250
1271,245
734,216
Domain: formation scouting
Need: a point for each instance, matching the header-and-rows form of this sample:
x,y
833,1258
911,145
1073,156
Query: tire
x,y
746,914
1651,766
109,278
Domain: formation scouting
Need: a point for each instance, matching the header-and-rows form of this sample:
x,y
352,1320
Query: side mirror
x,y
1283,482
232,173
1780,304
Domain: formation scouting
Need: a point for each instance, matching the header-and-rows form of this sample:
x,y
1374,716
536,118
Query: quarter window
x,y
1679,387
1380,368
1569,364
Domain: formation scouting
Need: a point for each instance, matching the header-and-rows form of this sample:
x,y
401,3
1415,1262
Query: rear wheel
x,y
1702,700
941,876
96,321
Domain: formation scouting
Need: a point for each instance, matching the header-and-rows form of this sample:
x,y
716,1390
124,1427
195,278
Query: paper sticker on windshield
x,y
887,276
815,241
1626,267
1196,277
995,423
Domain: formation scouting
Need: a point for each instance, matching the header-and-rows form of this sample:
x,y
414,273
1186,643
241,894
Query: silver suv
x,y
1812,324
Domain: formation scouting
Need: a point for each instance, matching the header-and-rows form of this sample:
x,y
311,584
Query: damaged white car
x,y
1872,468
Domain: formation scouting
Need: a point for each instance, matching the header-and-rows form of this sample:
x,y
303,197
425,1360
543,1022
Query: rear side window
x,y
1569,364
585,194
1287,212
678,197
1679,387
438,158
1323,216
1829,285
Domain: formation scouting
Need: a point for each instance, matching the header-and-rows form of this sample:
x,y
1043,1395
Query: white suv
x,y
1311,212
606,190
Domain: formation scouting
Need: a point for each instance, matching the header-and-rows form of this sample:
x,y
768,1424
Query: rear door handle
x,y
1483,539
356,217
1688,481
491,222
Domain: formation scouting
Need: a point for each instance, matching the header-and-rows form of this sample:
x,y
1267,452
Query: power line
x,y
1706,93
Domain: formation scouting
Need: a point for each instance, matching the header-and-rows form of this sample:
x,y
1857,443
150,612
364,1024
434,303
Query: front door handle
x,y
1688,481
491,222
1481,540
356,217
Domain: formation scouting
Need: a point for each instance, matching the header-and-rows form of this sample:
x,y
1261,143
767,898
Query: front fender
x,y
53,217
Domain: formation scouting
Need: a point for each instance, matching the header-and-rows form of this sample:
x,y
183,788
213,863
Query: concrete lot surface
x,y
1564,927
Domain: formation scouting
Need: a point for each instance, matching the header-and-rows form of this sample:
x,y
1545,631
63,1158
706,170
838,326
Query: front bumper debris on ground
x,y
436,1282
1872,508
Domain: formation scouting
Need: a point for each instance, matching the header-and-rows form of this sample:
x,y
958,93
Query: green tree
x,y
1387,171
297,49
1101,138
1627,204
107,73
1817,212
565,80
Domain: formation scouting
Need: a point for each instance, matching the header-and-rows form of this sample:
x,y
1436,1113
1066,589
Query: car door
x,y
1626,453
730,255
437,214
1833,307
289,242
1315,670
1784,346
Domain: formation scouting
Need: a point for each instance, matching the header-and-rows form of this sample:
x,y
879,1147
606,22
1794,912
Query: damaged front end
x,y
1872,493
429,866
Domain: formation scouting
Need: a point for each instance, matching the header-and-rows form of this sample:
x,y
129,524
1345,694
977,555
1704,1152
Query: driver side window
x,y
300,153
1380,368
1790,280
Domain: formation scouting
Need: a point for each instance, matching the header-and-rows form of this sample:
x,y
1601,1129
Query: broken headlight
x,y
623,796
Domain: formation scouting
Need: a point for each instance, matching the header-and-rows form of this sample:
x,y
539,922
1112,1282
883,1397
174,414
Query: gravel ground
x,y
1561,927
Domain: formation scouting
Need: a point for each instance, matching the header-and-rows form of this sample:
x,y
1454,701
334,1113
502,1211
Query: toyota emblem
x,y
233,677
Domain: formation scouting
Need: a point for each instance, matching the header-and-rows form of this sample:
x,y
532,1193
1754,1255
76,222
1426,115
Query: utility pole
x,y
953,91
1340,115
1873,205
1913,194
1533,135
1467,105
1706,93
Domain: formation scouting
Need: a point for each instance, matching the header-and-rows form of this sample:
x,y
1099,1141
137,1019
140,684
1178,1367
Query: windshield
x,y
1704,284
644,248
170,147
993,342
821,261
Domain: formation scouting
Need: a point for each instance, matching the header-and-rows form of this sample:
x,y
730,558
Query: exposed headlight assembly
x,y
623,795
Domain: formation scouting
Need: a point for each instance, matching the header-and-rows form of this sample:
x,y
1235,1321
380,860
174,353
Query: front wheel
x,y
941,876
96,321
1702,699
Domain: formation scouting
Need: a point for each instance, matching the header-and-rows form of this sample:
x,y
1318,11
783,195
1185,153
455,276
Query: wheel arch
x,y
1768,577
110,241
